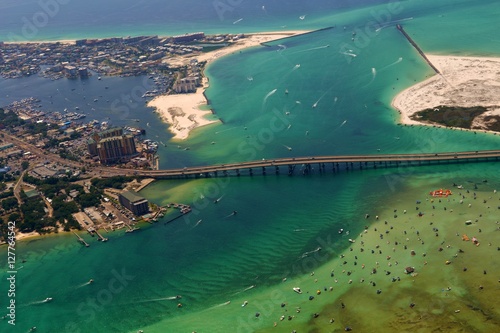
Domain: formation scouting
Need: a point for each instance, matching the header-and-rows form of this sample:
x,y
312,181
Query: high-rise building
x,y
112,146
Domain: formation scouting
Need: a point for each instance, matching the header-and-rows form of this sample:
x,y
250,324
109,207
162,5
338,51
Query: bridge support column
x,y
263,170
250,171
238,172
277,170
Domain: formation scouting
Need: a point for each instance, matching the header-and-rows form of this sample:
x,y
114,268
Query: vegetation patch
x,y
450,116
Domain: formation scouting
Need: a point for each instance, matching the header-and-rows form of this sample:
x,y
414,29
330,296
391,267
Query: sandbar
x,y
462,82
182,111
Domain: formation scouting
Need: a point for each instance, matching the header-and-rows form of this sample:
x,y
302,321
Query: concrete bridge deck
x,y
287,165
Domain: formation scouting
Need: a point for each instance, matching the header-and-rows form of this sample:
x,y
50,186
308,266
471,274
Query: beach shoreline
x,y
183,112
462,82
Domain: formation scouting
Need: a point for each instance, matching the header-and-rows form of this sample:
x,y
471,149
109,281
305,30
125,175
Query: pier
x,y
415,45
101,238
81,240
320,164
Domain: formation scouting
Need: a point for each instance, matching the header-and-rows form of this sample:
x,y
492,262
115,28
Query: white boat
x,y
297,290
48,299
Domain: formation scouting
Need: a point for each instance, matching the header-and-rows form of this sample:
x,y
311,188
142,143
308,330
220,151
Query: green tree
x,y
9,203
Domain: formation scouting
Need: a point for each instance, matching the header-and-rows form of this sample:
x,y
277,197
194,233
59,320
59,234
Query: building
x,y
186,85
112,146
134,202
188,37
6,146
116,149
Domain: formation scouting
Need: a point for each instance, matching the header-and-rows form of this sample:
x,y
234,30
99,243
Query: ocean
x,y
318,94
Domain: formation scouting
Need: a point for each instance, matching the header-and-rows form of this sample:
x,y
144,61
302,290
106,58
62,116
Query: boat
x,y
244,303
440,193
341,231
48,299
297,290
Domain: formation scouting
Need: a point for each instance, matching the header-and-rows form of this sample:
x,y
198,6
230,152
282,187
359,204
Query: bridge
x,y
307,165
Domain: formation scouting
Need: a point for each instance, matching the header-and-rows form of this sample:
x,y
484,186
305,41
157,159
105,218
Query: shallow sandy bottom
x,y
446,297
457,297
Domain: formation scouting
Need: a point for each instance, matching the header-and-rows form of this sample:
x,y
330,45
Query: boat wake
x,y
246,289
219,305
392,23
232,214
316,104
313,49
349,54
281,47
218,199
237,21
170,298
306,254
197,224
48,299
394,63
269,94
374,75
227,129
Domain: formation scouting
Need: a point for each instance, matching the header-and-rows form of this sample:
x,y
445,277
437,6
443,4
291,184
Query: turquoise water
x,y
279,219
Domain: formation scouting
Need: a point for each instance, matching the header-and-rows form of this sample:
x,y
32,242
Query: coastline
x,y
463,82
183,111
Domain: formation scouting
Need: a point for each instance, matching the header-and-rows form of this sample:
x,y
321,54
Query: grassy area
x,y
450,116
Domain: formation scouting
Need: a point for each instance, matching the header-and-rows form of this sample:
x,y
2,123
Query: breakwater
x,y
415,45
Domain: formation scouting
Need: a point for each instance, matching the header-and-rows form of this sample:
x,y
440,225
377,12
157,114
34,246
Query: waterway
x,y
213,256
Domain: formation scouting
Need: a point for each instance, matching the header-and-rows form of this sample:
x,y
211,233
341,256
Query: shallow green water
x,y
233,257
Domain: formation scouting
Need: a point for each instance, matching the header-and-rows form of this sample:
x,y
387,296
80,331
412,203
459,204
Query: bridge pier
x,y
263,170
277,170
250,171
238,172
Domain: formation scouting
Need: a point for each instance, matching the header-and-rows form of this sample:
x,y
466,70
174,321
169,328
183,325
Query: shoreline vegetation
x,y
465,95
184,112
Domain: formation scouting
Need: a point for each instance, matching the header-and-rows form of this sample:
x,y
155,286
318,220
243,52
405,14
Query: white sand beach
x,y
182,111
464,82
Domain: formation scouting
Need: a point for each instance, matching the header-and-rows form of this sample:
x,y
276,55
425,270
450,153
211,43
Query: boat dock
x,y
415,45
81,240
103,239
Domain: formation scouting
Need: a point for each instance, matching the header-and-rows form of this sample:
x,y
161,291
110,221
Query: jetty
x,y
415,45
81,240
